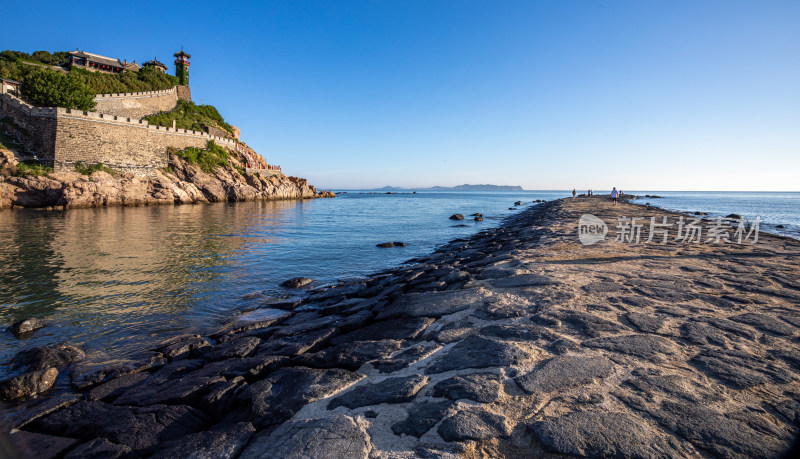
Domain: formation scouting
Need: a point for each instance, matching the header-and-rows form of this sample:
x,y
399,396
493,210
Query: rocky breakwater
x,y
180,183
517,342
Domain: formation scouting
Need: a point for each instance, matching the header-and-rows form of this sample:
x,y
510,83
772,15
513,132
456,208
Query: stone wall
x,y
63,137
184,93
35,126
137,104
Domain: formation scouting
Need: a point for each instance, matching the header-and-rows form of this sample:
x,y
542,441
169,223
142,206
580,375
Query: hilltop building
x,y
95,62
156,64
182,67
116,133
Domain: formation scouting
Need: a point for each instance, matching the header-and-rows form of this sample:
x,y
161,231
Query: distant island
x,y
464,187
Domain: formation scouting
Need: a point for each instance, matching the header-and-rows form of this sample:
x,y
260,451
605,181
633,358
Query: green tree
x,y
49,88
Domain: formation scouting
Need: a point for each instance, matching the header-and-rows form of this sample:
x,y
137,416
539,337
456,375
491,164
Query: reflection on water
x,y
115,279
108,277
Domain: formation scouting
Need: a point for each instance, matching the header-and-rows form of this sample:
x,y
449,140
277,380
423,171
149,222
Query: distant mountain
x,y
464,187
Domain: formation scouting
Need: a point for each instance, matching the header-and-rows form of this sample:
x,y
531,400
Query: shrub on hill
x,y
50,88
16,66
207,158
188,115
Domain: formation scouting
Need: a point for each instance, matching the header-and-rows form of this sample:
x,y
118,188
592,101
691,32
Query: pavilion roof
x,y
97,58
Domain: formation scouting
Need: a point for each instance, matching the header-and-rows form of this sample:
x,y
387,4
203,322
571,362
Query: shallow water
x,y
113,278
117,279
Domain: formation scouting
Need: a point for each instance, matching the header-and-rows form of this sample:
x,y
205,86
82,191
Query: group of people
x,y
615,194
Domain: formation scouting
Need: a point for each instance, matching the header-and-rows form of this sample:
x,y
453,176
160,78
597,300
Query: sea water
x,y
119,279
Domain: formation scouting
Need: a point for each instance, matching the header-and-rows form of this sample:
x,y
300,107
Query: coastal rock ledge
x,y
180,183
517,342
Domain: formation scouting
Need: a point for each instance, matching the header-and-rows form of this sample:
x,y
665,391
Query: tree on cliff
x,y
48,88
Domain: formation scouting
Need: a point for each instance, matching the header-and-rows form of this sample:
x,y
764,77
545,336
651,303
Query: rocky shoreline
x,y
516,342
185,183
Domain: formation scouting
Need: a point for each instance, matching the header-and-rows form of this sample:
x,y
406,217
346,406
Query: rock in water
x,y
478,218
28,384
518,203
27,326
391,244
456,217
296,282
41,358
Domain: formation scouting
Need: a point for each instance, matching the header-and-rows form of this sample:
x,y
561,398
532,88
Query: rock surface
x,y
184,184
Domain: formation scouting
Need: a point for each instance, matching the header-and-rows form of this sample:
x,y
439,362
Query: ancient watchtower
x,y
182,67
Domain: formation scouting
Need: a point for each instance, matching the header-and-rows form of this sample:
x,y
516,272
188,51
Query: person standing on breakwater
x,y
573,193
614,195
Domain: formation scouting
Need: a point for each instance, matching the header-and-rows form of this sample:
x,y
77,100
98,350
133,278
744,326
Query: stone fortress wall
x,y
139,104
62,137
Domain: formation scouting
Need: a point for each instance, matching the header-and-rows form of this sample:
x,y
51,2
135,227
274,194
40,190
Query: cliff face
x,y
187,183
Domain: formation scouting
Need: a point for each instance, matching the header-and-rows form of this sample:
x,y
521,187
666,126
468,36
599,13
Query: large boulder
x,y
28,384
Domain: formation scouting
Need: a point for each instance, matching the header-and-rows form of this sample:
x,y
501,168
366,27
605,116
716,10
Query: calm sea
x,y
116,279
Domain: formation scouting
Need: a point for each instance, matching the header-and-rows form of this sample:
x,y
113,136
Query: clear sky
x,y
651,95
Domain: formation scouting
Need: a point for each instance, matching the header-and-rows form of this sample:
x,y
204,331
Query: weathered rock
x,y
477,352
766,323
739,369
421,417
480,387
221,397
17,417
390,390
184,391
295,345
646,323
137,428
350,356
329,438
433,304
222,442
396,329
516,332
647,347
26,326
279,396
40,358
235,348
251,320
602,287
474,424
115,387
34,445
184,346
97,448
28,384
601,434
86,374
565,371
296,282
522,280
403,358
456,217
717,433
585,323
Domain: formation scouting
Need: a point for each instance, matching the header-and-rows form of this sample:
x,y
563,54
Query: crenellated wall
x,y
63,137
137,104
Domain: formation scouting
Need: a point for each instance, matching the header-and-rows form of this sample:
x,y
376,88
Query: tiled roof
x,y
156,63
103,60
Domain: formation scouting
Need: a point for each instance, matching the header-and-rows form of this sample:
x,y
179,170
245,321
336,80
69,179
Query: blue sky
x,y
658,95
